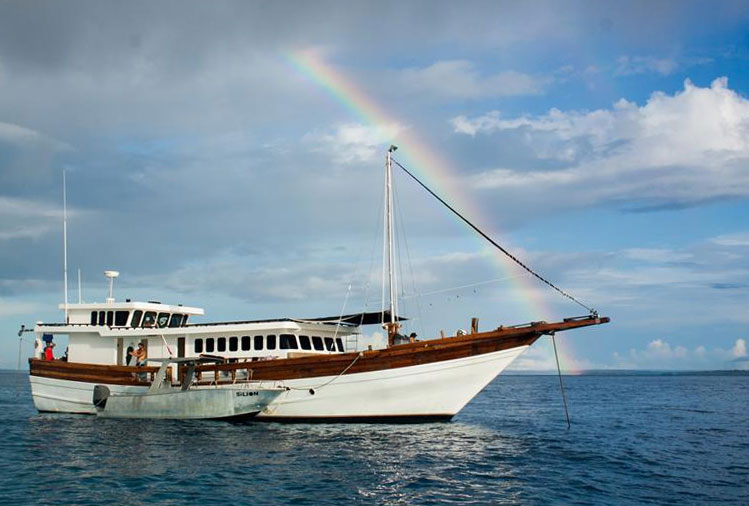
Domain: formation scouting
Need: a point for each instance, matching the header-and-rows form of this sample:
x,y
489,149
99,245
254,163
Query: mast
x,y
391,326
65,242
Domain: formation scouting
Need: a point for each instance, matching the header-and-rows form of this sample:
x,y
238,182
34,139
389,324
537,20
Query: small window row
x,y
269,342
149,319
111,318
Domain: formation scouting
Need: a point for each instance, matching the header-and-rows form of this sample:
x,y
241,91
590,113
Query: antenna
x,y
80,294
392,326
111,275
65,243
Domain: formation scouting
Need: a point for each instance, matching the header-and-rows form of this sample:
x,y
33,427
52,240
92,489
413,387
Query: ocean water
x,y
635,439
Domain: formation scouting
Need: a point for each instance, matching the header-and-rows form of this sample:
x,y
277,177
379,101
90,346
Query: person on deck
x,y
48,351
140,359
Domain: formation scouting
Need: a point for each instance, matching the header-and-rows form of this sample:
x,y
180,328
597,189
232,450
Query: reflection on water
x,y
509,446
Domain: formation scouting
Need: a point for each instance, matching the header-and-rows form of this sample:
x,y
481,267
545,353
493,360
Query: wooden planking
x,y
410,354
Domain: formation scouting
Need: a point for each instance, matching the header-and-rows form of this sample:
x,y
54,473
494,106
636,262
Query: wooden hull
x,y
427,380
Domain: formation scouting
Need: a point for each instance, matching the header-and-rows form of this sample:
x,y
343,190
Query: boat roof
x,y
131,305
349,320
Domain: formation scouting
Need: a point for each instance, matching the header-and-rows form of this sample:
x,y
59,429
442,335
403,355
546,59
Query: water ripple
x,y
634,440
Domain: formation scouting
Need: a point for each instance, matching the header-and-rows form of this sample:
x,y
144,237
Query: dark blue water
x,y
679,439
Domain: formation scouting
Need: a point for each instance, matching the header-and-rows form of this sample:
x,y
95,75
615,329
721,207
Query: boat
x,y
182,401
324,374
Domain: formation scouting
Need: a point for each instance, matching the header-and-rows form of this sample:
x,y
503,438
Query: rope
x,y
343,310
561,385
330,380
461,287
500,248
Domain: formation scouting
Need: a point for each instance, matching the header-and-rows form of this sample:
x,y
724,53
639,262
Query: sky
x,y
230,155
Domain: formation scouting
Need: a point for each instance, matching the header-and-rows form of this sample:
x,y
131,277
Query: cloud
x,y
11,307
26,218
657,255
660,354
739,349
18,135
732,240
353,142
681,149
631,65
462,79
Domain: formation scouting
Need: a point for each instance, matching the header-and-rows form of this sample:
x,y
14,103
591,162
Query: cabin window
x,y
149,318
93,317
198,346
163,320
221,344
102,316
339,343
304,342
137,315
233,343
209,345
110,318
271,345
317,343
329,345
175,321
184,320
246,343
288,342
120,318
258,342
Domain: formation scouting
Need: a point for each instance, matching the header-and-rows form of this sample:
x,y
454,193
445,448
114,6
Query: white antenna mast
x,y
65,242
393,326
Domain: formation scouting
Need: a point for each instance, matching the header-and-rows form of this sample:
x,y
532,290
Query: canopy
x,y
358,319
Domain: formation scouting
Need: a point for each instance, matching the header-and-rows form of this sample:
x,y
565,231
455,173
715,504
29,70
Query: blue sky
x,y
606,144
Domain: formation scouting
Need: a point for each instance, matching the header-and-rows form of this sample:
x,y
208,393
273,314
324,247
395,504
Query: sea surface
x,y
635,439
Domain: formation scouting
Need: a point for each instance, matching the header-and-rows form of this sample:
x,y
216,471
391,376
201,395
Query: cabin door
x,y
180,353
120,348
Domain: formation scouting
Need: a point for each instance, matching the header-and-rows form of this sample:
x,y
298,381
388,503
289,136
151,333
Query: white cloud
x,y
353,142
656,255
738,239
675,150
461,79
660,354
10,307
23,218
18,135
739,349
630,65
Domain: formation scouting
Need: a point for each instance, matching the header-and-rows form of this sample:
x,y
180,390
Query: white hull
x,y
438,389
177,404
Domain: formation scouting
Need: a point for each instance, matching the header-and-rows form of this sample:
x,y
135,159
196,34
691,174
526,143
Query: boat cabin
x,y
106,333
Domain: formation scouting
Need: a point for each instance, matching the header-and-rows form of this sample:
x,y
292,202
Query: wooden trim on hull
x,y
90,373
405,355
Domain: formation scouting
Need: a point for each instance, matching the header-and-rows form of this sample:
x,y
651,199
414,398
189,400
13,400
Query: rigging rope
x,y
500,248
318,387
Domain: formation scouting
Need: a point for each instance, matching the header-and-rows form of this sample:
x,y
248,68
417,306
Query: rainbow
x,y
422,159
